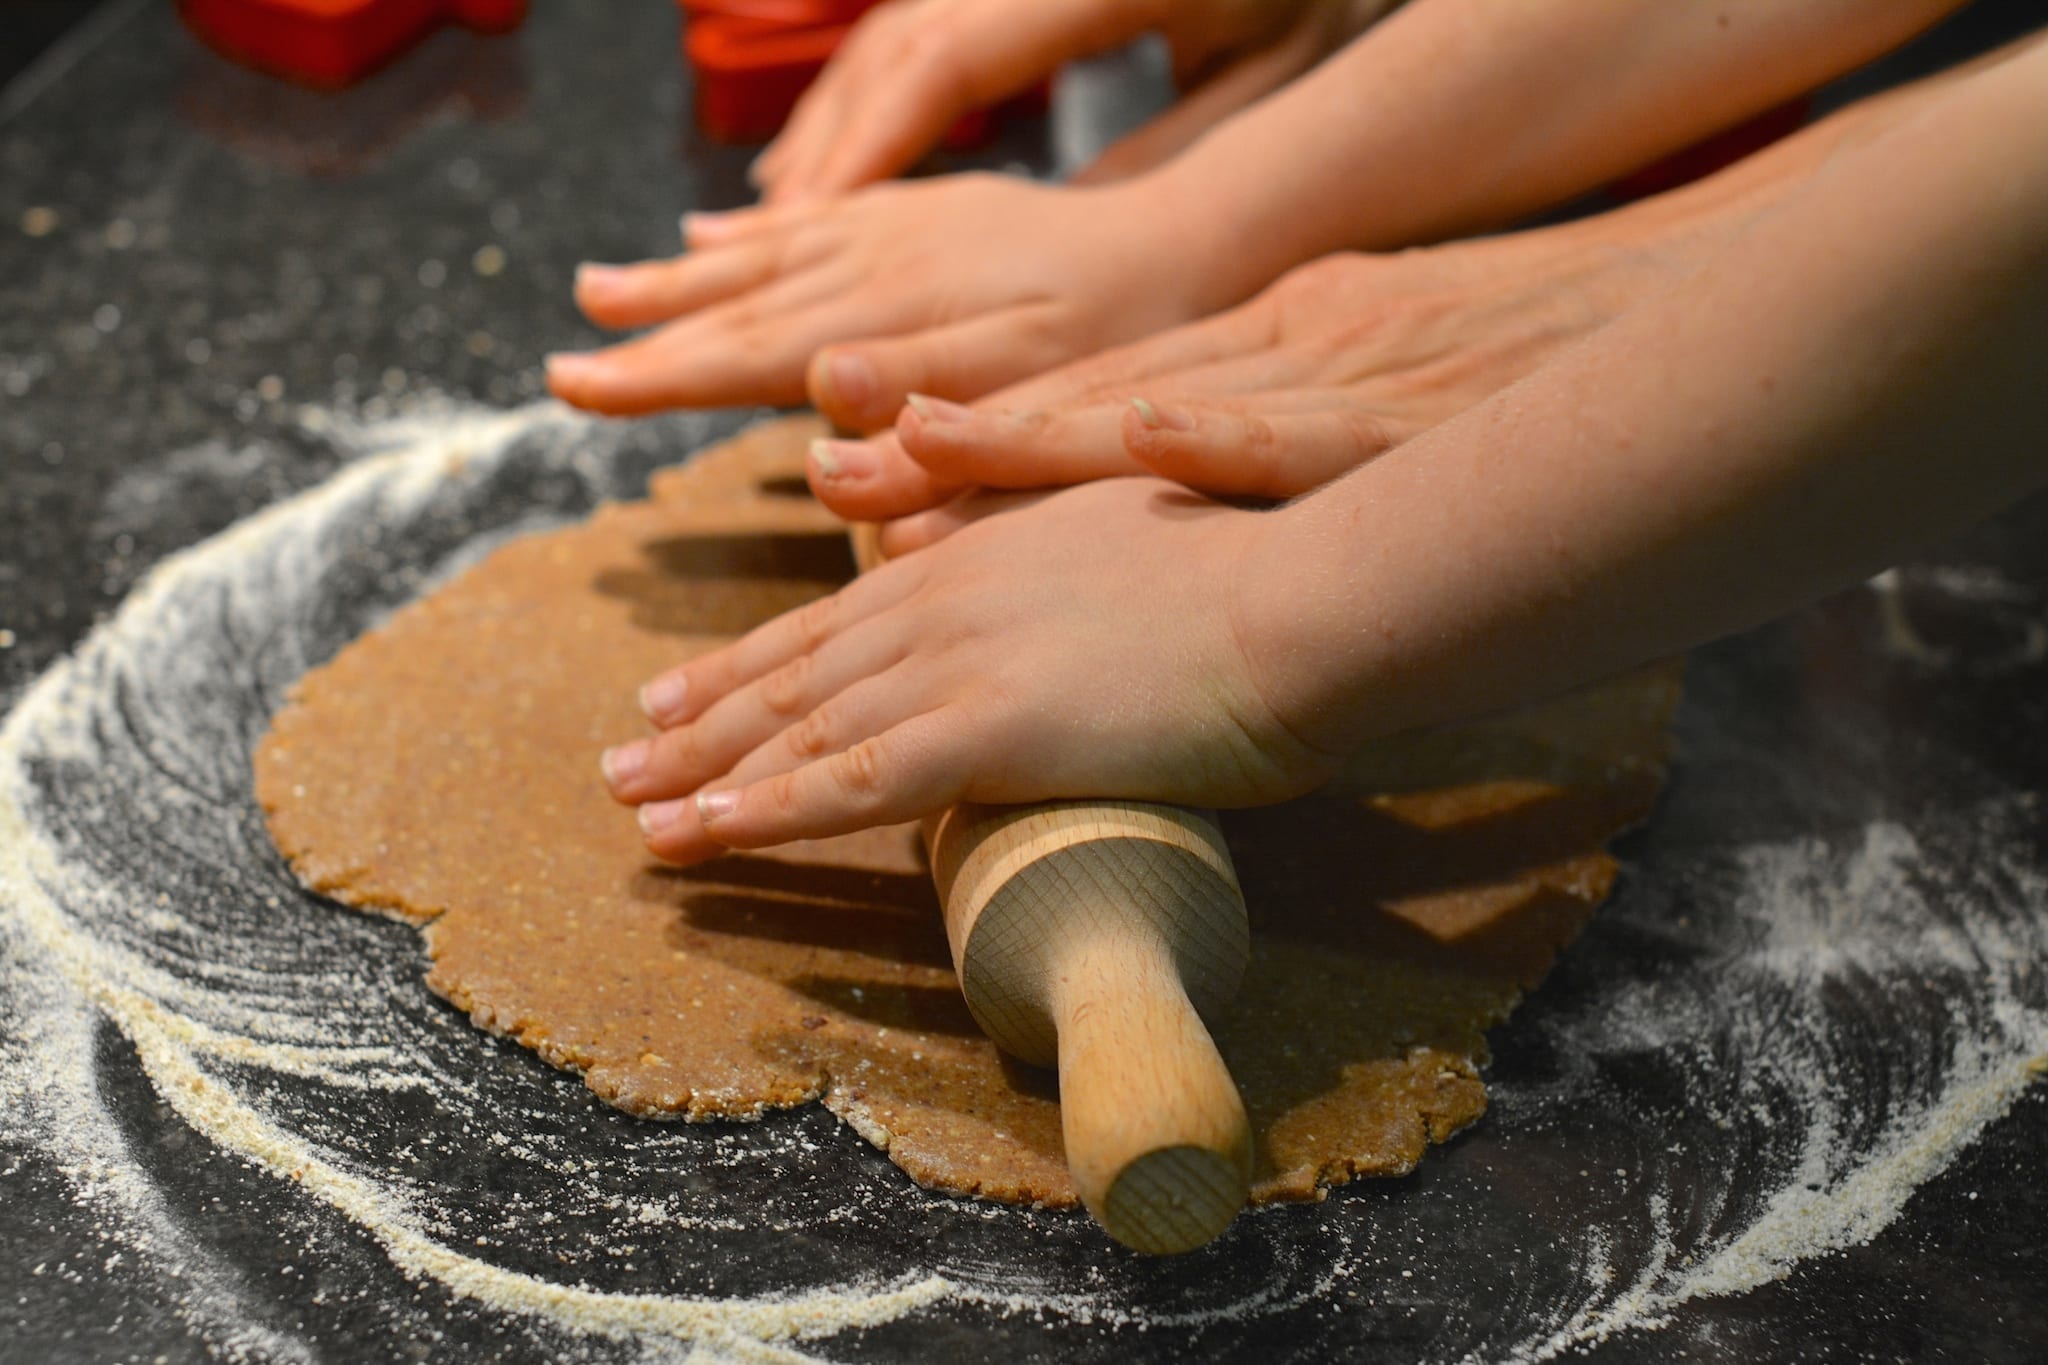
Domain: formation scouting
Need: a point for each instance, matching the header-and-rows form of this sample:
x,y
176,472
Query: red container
x,y
333,43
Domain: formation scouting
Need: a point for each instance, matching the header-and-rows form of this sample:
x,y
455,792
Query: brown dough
x,y
444,769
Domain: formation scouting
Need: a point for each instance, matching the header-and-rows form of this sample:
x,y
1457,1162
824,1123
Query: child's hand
x,y
1341,359
953,287
1095,644
911,67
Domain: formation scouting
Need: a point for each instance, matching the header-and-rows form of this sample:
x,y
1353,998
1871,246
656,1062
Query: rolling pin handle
x,y
1155,1131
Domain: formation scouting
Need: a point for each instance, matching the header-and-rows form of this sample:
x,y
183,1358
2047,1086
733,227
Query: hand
x,y
1338,361
951,287
910,68
1089,645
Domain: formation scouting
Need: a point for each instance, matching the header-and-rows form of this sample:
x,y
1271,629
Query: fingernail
x,y
1158,418
624,762
660,817
592,274
567,365
852,380
837,460
663,697
713,805
938,409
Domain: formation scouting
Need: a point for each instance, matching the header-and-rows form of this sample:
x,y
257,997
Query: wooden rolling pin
x,y
1093,935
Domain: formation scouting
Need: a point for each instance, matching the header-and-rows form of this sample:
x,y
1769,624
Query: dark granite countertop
x,y
192,255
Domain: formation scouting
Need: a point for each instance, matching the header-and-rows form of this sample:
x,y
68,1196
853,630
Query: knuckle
x,y
781,795
783,691
681,751
1313,277
861,771
814,621
811,737
1261,441
783,254
1367,433
1264,321
1306,284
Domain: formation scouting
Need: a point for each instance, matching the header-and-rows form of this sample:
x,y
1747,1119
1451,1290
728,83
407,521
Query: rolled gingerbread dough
x,y
443,768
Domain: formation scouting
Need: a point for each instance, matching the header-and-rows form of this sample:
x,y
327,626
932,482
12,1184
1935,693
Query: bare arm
x,y
1453,112
1339,360
1457,114
1860,372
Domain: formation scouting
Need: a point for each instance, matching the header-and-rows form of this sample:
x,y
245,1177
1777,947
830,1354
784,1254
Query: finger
x,y
872,480
791,698
703,230
906,535
857,66
810,116
1268,370
868,707
1246,330
654,291
682,694
862,385
1297,443
727,355
965,57
908,771
997,449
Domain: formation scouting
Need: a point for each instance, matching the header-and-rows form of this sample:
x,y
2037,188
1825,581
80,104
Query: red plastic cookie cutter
x,y
752,59
334,43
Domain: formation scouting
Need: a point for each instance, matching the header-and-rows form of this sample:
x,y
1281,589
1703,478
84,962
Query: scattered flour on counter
x,y
201,1008
1865,918
1916,603
138,891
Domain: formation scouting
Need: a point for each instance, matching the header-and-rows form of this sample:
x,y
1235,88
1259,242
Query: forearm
x,y
1457,114
1858,373
1679,229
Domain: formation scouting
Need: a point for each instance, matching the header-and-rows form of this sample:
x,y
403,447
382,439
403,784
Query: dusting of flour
x,y
138,893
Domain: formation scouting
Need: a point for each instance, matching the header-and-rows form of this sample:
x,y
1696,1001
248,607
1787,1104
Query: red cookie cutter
x,y
333,43
752,59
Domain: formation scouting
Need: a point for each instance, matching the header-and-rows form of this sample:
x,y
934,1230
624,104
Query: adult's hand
x,y
1341,359
1338,361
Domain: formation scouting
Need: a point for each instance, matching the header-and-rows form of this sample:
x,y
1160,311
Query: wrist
x,y
1288,615
1209,220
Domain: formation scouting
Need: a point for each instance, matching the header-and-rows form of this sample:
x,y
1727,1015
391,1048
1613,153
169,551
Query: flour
x,y
1846,917
1919,611
206,1009
137,890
